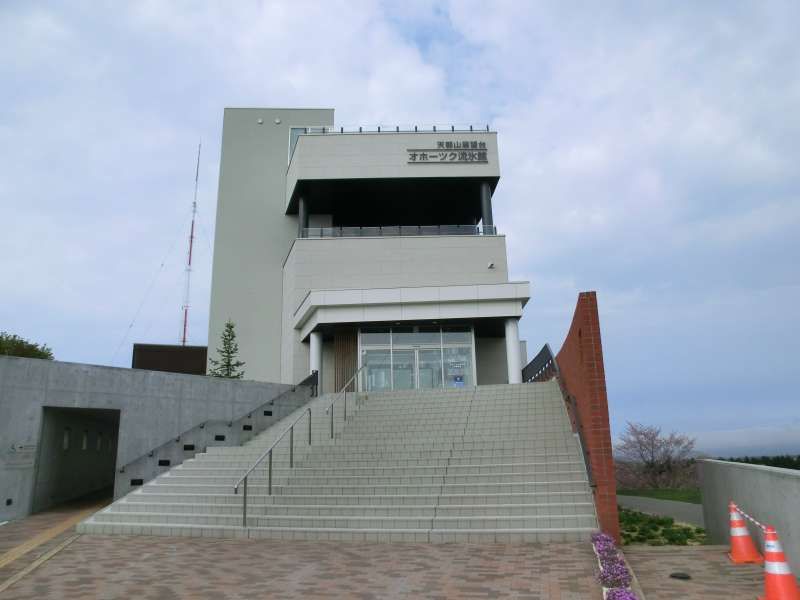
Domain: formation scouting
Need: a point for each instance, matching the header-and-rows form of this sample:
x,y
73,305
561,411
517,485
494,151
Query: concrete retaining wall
x,y
154,407
771,495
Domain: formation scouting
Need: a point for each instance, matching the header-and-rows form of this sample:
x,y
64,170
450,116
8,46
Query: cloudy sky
x,y
649,151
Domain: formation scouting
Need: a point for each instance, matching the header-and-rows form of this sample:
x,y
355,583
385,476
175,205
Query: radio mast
x,y
189,255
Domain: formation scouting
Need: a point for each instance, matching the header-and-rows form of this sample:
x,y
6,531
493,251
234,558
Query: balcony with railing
x,y
397,230
336,166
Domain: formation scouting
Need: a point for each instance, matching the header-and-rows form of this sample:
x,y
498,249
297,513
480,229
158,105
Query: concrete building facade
x,y
340,250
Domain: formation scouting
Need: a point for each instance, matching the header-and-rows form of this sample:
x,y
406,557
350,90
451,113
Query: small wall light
x,y
490,265
260,121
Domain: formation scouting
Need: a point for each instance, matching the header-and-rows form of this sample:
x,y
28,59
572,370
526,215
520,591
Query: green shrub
x,y
640,528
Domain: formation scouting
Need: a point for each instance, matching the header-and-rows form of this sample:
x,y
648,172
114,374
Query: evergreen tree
x,y
228,364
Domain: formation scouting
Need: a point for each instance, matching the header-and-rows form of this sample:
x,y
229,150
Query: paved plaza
x,y
712,574
42,557
161,568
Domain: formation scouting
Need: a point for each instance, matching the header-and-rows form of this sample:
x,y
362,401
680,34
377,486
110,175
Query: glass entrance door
x,y
410,357
378,370
429,368
404,369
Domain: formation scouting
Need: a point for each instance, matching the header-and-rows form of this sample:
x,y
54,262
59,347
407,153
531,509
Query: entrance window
x,y
375,336
457,367
404,369
378,371
423,357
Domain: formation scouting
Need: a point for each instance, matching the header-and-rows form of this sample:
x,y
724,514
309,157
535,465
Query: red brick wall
x,y
580,361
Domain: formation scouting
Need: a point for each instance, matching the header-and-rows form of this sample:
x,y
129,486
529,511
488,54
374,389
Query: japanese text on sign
x,y
466,151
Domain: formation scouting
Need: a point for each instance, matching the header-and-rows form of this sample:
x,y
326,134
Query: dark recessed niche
x,y
247,427
188,447
135,482
163,462
267,413
9,502
219,438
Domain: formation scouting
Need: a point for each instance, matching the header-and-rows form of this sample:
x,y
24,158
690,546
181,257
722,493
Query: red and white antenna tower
x,y
189,255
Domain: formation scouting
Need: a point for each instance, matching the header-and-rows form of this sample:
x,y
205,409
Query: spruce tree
x,y
227,365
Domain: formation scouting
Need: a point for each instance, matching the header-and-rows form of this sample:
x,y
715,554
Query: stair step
x,y
346,535
423,510
354,522
488,464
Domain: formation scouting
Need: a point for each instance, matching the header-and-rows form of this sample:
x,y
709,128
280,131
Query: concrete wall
x,y
383,155
769,494
490,356
253,234
154,406
353,263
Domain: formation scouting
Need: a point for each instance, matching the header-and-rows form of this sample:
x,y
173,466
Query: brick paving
x,y
15,533
713,575
110,567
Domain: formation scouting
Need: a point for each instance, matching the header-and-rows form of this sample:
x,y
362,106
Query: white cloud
x,y
647,152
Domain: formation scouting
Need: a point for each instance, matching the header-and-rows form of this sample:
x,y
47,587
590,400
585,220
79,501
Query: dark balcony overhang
x,y
407,201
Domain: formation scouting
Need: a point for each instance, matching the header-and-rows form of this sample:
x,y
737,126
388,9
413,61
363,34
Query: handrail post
x,y
269,475
331,421
244,504
291,447
345,404
309,426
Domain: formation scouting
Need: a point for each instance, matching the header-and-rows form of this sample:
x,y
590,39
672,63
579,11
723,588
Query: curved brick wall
x,y
580,361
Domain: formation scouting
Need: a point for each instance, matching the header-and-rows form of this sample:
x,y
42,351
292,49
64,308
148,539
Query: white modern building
x,y
339,249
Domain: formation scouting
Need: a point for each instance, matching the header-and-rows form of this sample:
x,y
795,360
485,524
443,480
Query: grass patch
x,y
691,495
641,528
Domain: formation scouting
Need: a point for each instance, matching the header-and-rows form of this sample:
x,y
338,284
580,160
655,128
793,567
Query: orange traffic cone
x,y
779,583
743,550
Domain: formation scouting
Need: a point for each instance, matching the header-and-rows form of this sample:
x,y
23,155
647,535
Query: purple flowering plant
x,y
614,573
620,594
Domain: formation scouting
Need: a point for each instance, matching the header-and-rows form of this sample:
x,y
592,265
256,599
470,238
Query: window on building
x,y
417,357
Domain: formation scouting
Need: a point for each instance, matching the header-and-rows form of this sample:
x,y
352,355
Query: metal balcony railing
x,y
398,230
407,128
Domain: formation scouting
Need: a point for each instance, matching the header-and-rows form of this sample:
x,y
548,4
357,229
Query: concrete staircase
x,y
488,464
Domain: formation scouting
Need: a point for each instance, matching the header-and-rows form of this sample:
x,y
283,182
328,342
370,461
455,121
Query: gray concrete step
x,y
484,464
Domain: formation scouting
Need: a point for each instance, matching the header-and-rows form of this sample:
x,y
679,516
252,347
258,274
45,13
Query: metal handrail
x,y
402,128
543,367
338,395
268,454
348,231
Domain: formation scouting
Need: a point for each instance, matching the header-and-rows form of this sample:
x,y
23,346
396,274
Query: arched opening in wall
x,y
76,457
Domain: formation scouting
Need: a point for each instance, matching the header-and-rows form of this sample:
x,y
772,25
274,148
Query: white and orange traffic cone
x,y
779,583
743,550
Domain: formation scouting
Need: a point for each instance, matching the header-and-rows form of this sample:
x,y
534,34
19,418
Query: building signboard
x,y
448,152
